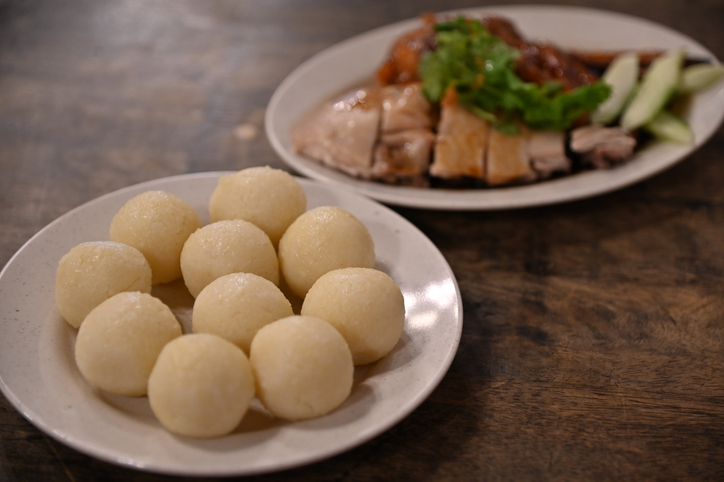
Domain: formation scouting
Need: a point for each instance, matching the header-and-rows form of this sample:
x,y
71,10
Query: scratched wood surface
x,y
593,341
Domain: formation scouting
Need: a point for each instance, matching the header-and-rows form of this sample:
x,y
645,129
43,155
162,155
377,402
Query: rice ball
x,y
320,240
92,272
365,305
302,367
201,386
269,198
157,223
237,305
226,247
119,341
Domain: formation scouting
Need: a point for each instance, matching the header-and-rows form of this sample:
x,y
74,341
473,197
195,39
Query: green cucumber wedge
x,y
670,127
699,76
659,83
621,75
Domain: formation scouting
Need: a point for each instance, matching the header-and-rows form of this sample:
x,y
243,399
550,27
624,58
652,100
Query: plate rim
x,y
483,199
40,422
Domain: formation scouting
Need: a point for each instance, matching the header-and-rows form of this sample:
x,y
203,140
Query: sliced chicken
x,y
602,147
404,106
342,133
403,157
508,159
547,151
462,141
390,132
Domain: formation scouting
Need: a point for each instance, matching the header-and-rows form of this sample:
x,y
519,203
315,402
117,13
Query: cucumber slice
x,y
621,75
670,127
659,82
698,77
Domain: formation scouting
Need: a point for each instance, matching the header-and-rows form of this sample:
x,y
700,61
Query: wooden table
x,y
593,340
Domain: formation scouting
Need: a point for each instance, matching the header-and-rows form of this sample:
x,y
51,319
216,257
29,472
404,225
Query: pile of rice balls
x,y
246,340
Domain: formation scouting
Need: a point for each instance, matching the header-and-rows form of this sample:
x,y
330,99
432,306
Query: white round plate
x,y
39,377
354,61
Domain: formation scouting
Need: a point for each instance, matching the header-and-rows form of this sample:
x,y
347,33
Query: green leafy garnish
x,y
481,69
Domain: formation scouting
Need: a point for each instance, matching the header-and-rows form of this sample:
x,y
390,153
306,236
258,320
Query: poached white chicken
x,y
381,133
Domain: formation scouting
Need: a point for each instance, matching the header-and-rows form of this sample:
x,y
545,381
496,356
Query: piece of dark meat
x,y
602,147
404,59
599,60
505,30
541,62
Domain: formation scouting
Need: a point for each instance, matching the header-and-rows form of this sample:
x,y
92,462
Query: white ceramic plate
x,y
39,377
354,61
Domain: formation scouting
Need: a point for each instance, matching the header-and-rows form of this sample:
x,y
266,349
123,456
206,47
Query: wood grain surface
x,y
593,340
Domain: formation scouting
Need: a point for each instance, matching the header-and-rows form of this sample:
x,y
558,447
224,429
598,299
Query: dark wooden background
x,y
593,341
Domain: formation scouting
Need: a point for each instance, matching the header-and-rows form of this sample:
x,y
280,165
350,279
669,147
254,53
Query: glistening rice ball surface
x,y
237,305
226,247
119,341
320,240
302,366
270,198
92,272
157,223
201,386
365,305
